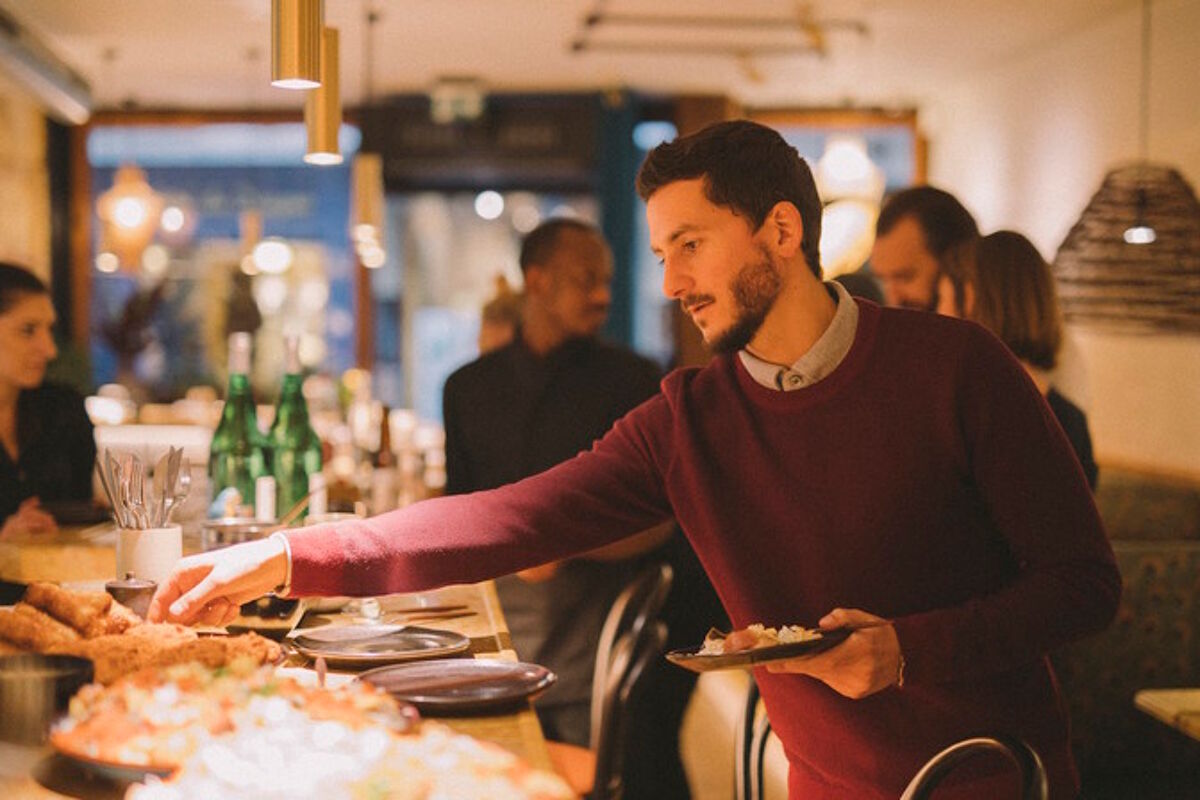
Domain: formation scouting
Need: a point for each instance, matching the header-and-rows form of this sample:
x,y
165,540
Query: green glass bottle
x,y
238,455
295,447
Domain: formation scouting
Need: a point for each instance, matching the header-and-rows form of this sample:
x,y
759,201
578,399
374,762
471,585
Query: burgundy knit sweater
x,y
924,480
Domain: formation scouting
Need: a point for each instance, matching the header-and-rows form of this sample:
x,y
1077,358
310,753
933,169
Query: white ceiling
x,y
194,53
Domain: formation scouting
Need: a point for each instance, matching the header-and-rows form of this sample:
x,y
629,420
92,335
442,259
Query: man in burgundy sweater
x,y
839,464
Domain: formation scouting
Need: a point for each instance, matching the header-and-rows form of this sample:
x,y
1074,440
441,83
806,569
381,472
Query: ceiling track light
x,y
296,32
323,107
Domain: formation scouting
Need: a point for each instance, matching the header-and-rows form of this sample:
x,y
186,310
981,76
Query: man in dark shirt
x,y
529,405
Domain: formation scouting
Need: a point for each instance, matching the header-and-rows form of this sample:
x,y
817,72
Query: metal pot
x,y
34,691
218,533
133,593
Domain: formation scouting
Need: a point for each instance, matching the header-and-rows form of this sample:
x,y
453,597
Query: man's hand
x,y
867,662
208,589
29,517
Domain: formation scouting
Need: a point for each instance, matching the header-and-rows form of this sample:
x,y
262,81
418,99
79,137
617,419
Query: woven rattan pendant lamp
x,y
1132,261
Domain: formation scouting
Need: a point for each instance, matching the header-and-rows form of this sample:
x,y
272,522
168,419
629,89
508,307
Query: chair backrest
x,y
1033,774
638,604
632,655
752,736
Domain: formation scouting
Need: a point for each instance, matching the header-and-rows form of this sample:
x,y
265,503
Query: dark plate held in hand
x,y
690,658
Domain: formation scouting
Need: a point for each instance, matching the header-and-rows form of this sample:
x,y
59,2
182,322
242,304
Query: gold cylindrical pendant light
x,y
296,43
323,107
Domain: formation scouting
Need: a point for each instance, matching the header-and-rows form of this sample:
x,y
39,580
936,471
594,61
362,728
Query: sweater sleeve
x,y
596,498
1038,500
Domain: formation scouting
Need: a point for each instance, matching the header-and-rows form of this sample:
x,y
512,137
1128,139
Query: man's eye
x,y
691,245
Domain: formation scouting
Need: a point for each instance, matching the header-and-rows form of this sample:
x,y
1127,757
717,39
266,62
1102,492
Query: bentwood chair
x,y
631,639
1024,757
753,733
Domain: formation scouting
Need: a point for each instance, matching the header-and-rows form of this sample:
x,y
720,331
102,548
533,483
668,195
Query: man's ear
x,y
536,278
785,228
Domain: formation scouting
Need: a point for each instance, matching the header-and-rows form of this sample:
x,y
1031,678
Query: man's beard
x,y
754,290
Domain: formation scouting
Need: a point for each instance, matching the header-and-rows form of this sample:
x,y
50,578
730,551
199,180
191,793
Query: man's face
x,y
906,270
27,341
575,284
718,269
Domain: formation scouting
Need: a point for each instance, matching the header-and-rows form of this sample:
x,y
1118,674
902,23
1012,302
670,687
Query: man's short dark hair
x,y
747,168
539,244
944,220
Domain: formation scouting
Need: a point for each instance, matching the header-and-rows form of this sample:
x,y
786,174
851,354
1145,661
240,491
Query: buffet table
x,y
80,557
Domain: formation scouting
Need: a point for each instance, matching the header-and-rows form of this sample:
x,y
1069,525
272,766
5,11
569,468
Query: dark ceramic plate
x,y
112,770
460,686
690,658
375,645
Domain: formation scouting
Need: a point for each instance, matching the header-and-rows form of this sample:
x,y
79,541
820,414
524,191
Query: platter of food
x,y
756,644
53,620
462,686
188,731
378,644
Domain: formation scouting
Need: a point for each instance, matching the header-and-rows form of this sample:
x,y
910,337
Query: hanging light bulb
x,y
323,107
1140,232
296,43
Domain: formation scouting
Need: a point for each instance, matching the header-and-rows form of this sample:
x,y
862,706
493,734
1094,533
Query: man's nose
x,y
601,294
49,347
675,283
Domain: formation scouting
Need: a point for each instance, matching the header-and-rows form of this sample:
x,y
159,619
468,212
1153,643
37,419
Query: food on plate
x,y
29,629
54,620
86,612
229,732
158,716
753,637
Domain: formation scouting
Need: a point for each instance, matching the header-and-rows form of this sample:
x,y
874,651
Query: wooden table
x,y
39,774
1179,708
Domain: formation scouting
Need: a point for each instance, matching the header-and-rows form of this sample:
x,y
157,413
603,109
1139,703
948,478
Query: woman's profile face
x,y
27,341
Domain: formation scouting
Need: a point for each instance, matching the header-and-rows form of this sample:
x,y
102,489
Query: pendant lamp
x,y
296,27
1132,260
129,213
323,107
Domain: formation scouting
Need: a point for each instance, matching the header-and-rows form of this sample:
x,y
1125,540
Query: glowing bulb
x,y
373,257
155,260
489,204
323,159
107,262
129,212
272,256
172,219
1140,234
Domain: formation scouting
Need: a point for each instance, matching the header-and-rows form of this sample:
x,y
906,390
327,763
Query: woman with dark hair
x,y
1002,282
46,444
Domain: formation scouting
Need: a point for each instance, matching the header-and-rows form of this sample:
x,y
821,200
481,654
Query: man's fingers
x,y
185,576
189,603
849,618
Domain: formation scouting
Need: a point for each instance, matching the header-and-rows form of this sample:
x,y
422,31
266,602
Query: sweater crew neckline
x,y
831,384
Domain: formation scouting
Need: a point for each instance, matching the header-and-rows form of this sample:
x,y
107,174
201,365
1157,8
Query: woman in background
x,y
1002,282
46,444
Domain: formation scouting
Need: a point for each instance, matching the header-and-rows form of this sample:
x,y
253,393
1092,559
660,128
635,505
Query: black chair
x,y
631,639
1033,774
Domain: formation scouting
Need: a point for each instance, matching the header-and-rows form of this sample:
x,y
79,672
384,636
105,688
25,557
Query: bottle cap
x,y
291,347
239,353
264,498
